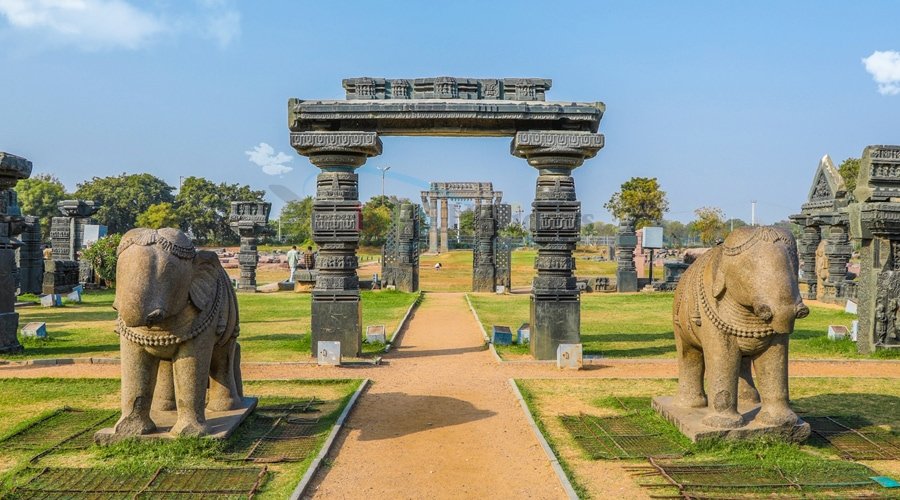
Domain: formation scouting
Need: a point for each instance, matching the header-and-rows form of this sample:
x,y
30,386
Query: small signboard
x,y
92,233
524,333
851,307
569,357
329,353
652,237
854,330
51,300
502,335
375,333
838,332
35,329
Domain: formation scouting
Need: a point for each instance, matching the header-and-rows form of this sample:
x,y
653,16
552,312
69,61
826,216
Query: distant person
x,y
293,259
309,258
437,267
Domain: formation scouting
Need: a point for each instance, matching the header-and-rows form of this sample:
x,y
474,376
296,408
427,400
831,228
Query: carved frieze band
x,y
446,87
580,145
312,143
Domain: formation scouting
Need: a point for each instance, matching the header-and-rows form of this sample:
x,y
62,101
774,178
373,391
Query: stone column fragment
x,y
555,226
483,269
30,258
12,169
433,226
336,222
809,242
837,251
445,222
626,242
401,251
249,220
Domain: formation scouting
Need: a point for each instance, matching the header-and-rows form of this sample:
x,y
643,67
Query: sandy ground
x,y
440,421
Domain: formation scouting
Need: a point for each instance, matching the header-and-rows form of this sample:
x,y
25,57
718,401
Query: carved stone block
x,y
339,321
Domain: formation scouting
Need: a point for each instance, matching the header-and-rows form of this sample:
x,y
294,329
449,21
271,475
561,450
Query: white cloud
x,y
271,163
223,22
884,66
92,24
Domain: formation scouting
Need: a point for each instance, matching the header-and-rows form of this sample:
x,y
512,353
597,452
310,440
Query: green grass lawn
x,y
640,326
875,401
274,326
24,400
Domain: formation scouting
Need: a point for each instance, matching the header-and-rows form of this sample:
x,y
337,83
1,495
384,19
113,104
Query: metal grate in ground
x,y
855,439
717,480
208,483
287,432
633,403
64,429
625,436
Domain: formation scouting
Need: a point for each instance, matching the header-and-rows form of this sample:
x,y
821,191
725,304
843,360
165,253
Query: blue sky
x,y
724,102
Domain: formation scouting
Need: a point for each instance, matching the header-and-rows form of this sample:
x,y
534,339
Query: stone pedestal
x,y
626,242
249,220
336,219
690,422
400,255
12,169
555,226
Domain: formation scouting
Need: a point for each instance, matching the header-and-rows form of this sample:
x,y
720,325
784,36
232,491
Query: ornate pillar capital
x,y
552,151
337,150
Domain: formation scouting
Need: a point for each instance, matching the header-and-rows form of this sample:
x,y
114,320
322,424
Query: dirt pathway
x,y
440,422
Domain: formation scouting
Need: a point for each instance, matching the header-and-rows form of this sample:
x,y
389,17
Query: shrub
x,y
102,256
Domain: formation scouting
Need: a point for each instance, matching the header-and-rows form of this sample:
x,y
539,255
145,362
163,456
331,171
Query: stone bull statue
x,y
736,304
178,325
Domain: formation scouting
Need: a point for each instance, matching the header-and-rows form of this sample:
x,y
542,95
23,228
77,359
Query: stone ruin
x,y
400,254
491,254
29,257
626,242
825,222
12,170
249,220
67,237
875,224
443,192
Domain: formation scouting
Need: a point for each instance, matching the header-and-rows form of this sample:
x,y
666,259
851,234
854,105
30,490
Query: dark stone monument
x,y
336,218
490,258
12,169
825,213
400,255
249,220
29,257
67,232
60,276
875,223
555,227
626,241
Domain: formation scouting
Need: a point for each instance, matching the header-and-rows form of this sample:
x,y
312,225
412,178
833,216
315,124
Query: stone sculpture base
x,y
9,327
626,281
222,424
339,321
553,323
690,422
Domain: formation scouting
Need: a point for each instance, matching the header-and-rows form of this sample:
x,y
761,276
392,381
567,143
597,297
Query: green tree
x,y
467,222
376,222
849,170
38,196
203,208
103,257
296,220
675,233
159,216
709,224
124,197
514,230
641,198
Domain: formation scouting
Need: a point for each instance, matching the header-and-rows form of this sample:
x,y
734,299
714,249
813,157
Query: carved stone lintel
x,y
336,149
556,149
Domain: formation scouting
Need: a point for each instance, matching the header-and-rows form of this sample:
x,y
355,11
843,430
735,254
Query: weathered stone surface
x,y
60,276
626,242
29,257
249,220
67,232
737,304
491,254
690,422
338,321
12,169
445,87
400,254
178,326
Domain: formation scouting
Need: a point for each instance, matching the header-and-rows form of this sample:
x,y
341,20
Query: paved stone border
x,y
554,461
326,447
487,340
395,339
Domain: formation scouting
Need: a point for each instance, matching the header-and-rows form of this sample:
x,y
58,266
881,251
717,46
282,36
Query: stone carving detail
x,y
249,220
400,254
67,232
178,333
336,221
555,226
737,303
480,192
488,270
626,242
29,257
12,170
445,87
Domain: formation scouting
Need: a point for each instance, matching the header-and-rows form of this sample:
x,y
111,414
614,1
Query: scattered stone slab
x,y
501,335
375,333
838,332
569,357
524,332
690,422
35,329
51,300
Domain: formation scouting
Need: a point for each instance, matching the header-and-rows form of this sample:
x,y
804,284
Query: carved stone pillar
x,y
12,169
445,222
401,250
249,220
809,242
483,270
837,251
336,220
433,228
555,225
30,259
626,242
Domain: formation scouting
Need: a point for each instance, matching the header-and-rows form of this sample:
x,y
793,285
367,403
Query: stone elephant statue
x,y
736,305
178,325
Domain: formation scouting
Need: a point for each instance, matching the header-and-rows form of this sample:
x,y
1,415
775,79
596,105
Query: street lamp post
x,y
383,171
